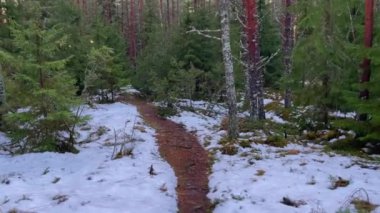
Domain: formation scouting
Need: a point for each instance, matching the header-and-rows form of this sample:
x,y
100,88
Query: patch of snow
x,y
339,114
90,181
22,110
275,118
267,101
129,90
236,186
3,138
202,105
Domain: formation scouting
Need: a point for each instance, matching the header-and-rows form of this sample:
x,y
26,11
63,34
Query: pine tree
x,y
368,39
255,69
41,85
103,75
324,59
287,46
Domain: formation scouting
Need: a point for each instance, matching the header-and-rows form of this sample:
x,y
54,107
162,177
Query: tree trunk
x,y
287,47
368,37
255,70
141,25
178,13
161,12
107,7
173,15
244,53
229,69
2,91
366,64
132,33
168,14
85,10
329,32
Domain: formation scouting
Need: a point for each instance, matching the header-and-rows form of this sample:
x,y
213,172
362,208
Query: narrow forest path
x,y
184,153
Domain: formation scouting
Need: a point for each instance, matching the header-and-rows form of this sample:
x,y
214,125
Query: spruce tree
x,y
42,92
324,62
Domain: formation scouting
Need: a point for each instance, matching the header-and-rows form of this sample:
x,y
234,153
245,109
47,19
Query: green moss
x,y
331,134
229,149
311,135
276,141
245,144
247,125
166,111
348,146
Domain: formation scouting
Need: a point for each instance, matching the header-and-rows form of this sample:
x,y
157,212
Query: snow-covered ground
x,y
90,181
257,179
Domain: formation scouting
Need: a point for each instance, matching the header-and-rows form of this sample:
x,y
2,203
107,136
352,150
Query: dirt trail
x,y
187,157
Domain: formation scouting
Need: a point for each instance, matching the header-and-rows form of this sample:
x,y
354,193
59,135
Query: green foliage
x,y
176,64
270,43
325,57
276,141
368,130
41,92
167,111
348,144
103,74
193,49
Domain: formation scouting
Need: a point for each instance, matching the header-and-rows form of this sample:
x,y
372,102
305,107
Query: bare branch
x,y
203,33
264,61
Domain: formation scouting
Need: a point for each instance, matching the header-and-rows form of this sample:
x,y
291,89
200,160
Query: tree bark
x,y
366,64
255,70
368,38
229,69
141,25
168,21
132,33
162,12
107,7
329,32
287,47
85,10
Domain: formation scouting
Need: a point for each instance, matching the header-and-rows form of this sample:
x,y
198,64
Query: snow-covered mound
x,y
91,181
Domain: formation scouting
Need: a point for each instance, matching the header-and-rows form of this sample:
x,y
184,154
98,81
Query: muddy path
x,y
183,152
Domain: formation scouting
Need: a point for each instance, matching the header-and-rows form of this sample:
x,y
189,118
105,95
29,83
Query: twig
x,y
202,33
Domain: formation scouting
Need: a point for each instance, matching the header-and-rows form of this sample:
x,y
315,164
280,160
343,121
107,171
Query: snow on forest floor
x,y
257,179
90,181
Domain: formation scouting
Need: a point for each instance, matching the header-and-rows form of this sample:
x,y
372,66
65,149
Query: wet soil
x,y
183,152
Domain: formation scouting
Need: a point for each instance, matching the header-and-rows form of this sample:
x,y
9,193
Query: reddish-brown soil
x,y
187,157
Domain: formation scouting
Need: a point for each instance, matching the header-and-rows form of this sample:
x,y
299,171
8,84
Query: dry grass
x,y
260,172
338,182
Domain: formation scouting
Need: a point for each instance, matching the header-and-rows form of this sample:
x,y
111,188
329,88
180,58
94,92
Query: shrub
x,y
276,141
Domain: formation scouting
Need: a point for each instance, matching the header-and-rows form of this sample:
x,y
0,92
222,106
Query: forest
x,y
189,106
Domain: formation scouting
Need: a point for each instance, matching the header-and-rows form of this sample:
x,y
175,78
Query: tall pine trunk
x,y
107,10
366,64
329,37
162,12
229,69
287,47
255,70
132,33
